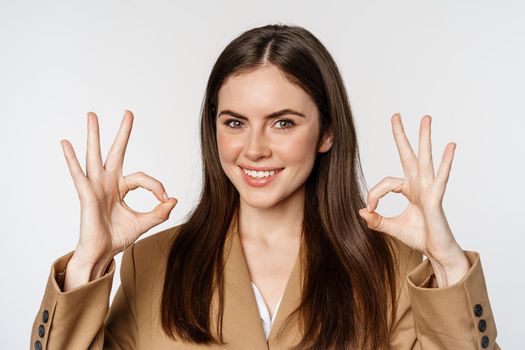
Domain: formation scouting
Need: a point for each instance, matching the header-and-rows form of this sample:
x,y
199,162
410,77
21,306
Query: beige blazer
x,y
456,317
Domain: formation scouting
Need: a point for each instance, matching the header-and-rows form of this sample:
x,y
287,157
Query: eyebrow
x,y
269,116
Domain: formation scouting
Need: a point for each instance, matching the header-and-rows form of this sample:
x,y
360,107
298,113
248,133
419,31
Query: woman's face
x,y
264,121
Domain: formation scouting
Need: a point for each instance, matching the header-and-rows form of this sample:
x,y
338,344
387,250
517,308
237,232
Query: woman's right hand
x,y
108,225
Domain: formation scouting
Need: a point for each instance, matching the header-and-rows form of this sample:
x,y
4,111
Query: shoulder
x,y
156,243
406,259
149,253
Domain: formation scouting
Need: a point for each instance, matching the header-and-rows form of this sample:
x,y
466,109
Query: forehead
x,y
263,89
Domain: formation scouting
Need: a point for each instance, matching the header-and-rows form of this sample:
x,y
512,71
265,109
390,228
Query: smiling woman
x,y
258,142
280,252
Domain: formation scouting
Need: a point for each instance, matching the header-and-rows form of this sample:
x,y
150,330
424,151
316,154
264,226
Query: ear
x,y
326,142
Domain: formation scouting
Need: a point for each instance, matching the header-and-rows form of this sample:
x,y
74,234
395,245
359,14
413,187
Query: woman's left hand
x,y
423,225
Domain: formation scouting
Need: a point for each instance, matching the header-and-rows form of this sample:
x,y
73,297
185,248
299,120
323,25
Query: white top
x,y
263,310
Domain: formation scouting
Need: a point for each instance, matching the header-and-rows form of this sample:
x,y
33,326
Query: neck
x,y
273,226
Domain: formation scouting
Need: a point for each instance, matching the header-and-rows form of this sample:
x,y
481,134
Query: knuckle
x,y
391,179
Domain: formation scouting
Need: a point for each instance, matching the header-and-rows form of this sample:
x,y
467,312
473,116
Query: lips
x,y
261,182
275,170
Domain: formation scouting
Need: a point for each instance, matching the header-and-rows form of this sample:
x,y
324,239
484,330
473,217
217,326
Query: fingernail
x,y
368,207
165,196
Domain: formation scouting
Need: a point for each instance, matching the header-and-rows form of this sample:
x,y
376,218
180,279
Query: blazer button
x,y
45,316
485,342
41,331
482,325
478,310
38,345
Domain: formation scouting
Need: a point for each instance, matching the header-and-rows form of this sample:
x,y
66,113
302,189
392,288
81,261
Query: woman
x,y
280,252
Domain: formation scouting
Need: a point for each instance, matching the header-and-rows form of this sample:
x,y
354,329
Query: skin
x,y
270,217
422,225
107,224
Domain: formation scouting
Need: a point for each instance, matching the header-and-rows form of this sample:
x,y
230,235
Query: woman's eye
x,y
290,123
228,123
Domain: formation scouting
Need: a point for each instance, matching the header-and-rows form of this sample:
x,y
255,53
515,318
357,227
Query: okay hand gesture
x,y
422,225
107,224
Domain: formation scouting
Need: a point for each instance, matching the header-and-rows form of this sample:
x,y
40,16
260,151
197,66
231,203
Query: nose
x,y
256,146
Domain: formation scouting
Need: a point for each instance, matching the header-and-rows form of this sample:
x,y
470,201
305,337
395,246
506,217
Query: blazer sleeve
x,y
455,317
80,318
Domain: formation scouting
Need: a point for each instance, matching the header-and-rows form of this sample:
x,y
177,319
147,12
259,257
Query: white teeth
x,y
259,174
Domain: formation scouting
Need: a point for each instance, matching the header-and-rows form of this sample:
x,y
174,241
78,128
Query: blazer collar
x,y
242,324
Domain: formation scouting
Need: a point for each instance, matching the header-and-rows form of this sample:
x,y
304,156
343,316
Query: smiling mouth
x,y
261,174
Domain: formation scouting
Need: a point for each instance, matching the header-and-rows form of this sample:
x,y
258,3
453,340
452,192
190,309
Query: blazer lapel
x,y
291,334
242,324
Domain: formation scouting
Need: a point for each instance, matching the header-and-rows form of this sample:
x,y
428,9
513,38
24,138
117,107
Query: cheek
x,y
228,146
299,149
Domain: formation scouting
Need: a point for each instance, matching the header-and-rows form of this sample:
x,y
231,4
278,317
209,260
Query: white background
x,y
462,62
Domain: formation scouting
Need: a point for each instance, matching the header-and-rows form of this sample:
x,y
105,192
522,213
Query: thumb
x,y
377,222
158,215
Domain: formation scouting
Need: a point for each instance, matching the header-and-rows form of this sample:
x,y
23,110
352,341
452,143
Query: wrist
x,y
452,271
88,269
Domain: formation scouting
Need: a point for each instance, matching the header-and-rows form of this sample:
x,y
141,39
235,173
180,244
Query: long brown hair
x,y
350,280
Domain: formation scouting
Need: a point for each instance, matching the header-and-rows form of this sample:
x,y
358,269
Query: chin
x,y
263,200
